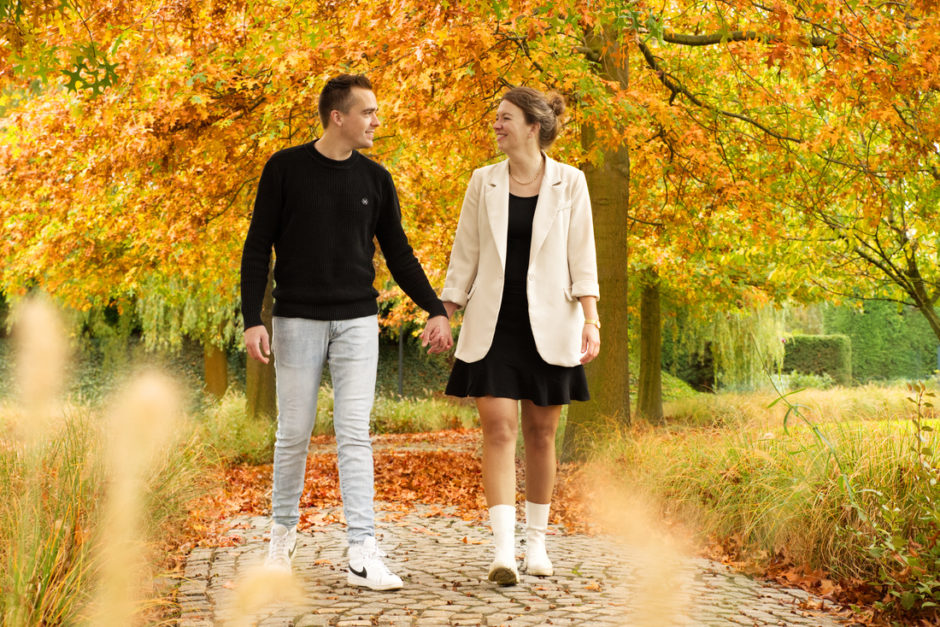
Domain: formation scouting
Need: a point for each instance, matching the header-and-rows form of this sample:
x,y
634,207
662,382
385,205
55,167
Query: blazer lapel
x,y
550,195
496,203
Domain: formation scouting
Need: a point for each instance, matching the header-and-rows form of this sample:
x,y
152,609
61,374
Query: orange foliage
x,y
742,149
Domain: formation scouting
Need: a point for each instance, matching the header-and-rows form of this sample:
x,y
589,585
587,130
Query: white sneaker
x,y
281,548
367,569
536,559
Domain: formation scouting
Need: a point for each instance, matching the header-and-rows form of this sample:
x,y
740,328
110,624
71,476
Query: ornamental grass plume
x,y
40,551
142,423
85,491
42,353
660,595
261,589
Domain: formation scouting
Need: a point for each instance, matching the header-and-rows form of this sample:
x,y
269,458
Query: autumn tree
x,y
844,99
140,192
146,195
775,118
748,129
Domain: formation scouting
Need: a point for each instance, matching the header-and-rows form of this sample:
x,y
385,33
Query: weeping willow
x,y
746,345
170,309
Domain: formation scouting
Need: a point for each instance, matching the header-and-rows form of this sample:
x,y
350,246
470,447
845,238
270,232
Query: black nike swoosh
x,y
358,573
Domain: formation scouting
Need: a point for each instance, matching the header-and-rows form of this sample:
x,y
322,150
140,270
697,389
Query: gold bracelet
x,y
594,321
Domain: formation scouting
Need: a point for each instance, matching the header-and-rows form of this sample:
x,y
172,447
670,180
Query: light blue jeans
x,y
301,347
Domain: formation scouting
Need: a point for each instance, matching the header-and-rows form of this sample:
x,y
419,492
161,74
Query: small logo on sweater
x,y
365,201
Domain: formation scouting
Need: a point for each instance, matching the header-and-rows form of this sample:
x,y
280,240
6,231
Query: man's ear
x,y
336,117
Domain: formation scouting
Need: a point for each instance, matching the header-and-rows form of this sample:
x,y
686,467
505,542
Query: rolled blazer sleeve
x,y
582,257
465,255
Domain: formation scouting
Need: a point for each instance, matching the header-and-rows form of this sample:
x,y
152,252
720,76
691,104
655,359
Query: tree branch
x,y
677,88
855,296
738,35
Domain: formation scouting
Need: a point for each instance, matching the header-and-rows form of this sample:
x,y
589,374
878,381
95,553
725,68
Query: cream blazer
x,y
562,261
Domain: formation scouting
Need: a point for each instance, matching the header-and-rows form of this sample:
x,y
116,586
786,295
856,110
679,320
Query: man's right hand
x,y
258,343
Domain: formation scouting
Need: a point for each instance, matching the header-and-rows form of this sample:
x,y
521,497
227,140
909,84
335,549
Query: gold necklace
x,y
537,174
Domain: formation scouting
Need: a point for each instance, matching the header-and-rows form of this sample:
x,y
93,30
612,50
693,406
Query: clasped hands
x,y
438,335
436,332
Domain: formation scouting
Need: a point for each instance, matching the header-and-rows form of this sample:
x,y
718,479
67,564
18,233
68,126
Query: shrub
x,y
819,354
231,436
797,381
234,438
403,415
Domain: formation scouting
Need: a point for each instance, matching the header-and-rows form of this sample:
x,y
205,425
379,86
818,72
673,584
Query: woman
x,y
523,266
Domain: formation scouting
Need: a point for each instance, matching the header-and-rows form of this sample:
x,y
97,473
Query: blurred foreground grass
x,y
723,465
100,456
849,486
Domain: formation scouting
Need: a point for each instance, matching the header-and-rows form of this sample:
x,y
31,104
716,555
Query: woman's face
x,y
511,130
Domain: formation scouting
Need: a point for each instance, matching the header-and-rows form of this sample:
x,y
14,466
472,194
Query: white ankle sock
x,y
536,516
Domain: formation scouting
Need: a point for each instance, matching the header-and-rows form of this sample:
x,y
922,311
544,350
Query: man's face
x,y
359,123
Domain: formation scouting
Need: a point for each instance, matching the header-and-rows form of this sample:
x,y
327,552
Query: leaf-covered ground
x,y
443,469
440,468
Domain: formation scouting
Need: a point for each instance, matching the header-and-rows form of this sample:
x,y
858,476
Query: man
x,y
319,205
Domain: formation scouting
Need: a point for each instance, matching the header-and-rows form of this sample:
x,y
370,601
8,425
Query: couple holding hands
x,y
522,267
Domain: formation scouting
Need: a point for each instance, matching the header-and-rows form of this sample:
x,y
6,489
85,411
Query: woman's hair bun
x,y
543,109
557,103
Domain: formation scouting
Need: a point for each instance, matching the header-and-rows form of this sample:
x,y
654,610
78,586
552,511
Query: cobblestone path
x,y
443,561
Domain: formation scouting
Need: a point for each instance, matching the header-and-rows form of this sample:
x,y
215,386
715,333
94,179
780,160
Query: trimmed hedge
x,y
888,342
820,354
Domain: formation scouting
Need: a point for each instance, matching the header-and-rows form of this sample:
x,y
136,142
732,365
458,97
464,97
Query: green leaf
x,y
783,396
908,599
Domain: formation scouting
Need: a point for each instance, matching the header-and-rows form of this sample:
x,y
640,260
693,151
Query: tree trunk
x,y
215,369
931,315
609,374
649,403
918,292
259,378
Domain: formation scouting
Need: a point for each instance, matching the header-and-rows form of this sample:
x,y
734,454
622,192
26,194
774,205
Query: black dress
x,y
513,367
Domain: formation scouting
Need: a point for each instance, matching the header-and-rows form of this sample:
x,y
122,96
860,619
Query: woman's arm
x,y
465,254
582,259
582,264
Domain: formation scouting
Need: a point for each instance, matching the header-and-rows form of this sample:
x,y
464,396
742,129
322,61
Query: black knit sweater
x,y
320,215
